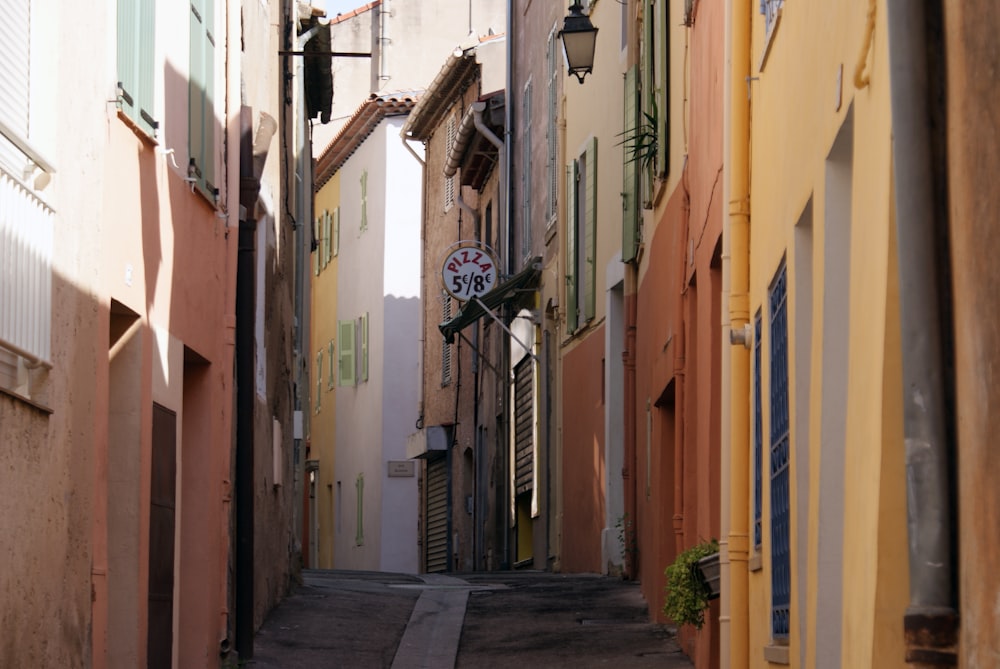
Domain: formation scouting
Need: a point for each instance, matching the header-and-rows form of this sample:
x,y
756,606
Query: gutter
x,y
736,282
931,621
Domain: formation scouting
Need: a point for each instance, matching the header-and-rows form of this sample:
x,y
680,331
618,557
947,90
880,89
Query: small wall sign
x,y
402,469
469,271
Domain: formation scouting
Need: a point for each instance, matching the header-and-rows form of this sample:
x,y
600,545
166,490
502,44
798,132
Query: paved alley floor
x,y
347,619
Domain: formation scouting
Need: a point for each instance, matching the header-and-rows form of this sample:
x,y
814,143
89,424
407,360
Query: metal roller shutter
x,y
436,540
524,428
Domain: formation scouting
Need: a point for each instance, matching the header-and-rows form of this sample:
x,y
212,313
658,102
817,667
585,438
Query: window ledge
x,y
776,654
27,400
137,129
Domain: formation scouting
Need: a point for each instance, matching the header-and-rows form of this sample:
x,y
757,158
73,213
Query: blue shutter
x,y
781,572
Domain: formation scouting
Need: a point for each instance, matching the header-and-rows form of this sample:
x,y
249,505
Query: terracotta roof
x,y
356,131
457,73
344,16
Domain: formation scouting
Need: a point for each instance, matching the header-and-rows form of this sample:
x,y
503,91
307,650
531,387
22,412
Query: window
x,y
780,502
656,87
445,346
319,380
526,173
449,182
136,43
201,96
552,128
346,372
581,237
331,363
758,435
364,200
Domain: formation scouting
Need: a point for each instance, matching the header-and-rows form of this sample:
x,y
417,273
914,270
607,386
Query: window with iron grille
x,y
758,435
781,582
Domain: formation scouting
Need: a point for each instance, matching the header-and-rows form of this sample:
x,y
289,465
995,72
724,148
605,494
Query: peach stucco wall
x,y
583,456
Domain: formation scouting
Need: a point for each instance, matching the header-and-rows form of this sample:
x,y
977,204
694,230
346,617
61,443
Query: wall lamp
x,y
579,37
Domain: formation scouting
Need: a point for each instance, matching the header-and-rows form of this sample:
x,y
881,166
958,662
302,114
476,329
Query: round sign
x,y
469,272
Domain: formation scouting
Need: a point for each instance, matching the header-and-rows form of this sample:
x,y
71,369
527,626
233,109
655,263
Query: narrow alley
x,y
502,619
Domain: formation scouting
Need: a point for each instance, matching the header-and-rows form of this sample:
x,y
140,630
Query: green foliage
x,y
686,594
626,538
642,143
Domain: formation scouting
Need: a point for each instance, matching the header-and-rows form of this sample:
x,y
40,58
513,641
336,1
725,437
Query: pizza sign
x,y
469,272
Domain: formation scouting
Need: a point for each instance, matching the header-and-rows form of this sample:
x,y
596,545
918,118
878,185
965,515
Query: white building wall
x,y
401,347
379,272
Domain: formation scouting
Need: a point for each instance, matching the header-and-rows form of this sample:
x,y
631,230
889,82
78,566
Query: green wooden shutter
x,y
571,256
336,232
364,200
590,234
319,379
526,173
136,44
201,95
316,252
346,364
327,234
662,87
630,176
364,346
331,372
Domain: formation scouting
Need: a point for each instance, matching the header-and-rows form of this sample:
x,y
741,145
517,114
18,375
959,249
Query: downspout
x,y
245,292
505,263
725,373
232,153
736,238
931,622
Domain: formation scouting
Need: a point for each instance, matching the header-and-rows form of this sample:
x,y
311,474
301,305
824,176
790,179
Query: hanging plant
x,y
642,143
687,592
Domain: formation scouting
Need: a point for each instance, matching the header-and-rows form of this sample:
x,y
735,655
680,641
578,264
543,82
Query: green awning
x,y
515,286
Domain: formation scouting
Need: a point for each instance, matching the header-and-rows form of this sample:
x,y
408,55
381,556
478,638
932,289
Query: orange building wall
x,y
583,455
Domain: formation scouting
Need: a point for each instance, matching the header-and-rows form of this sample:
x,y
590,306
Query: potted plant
x,y
692,581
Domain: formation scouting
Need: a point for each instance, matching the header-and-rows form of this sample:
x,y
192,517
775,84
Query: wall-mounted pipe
x,y
930,623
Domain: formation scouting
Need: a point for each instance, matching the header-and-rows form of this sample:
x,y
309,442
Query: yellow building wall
x,y
801,94
323,423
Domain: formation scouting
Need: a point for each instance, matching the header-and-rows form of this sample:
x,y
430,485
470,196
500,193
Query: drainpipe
x,y
736,238
503,218
931,622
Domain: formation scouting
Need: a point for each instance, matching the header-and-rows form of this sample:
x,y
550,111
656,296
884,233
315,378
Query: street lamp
x,y
579,36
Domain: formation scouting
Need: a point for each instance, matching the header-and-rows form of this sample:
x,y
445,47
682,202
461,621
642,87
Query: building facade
x,y
120,231
377,303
